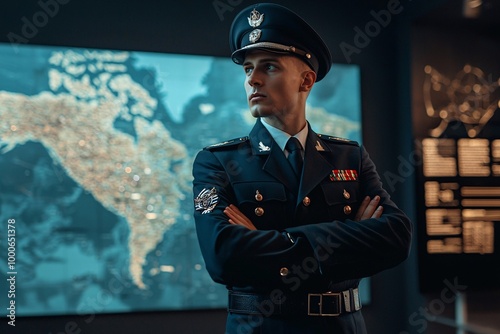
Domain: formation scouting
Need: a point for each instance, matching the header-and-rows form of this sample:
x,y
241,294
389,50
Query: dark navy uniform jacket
x,y
307,239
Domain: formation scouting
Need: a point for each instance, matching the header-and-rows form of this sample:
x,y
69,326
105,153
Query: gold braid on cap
x,y
279,47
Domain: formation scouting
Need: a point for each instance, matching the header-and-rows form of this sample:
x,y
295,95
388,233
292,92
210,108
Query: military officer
x,y
287,219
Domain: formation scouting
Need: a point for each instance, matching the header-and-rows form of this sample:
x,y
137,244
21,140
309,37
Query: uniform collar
x,y
281,137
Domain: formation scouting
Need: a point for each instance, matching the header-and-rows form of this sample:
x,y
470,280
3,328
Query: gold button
x,y
258,196
346,194
259,211
347,209
284,271
306,201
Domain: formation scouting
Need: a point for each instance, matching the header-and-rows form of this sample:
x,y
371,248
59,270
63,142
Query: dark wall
x,y
198,27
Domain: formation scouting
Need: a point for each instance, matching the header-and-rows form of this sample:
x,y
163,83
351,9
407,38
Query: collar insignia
x,y
318,146
255,19
263,148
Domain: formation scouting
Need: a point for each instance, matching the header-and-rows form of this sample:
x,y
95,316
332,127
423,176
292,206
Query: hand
x,y
369,209
236,217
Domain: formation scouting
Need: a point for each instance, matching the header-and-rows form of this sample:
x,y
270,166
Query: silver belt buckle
x,y
316,301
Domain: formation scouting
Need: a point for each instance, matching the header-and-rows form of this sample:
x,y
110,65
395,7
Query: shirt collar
x,y
281,137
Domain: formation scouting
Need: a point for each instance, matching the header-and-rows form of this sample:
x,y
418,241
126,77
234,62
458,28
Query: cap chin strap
x,y
278,47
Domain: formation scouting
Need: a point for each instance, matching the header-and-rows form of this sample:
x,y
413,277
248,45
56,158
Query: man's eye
x,y
248,70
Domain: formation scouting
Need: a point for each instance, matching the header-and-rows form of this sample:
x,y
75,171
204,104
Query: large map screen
x,y
96,148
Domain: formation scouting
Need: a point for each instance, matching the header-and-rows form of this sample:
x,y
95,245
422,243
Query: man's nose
x,y
254,79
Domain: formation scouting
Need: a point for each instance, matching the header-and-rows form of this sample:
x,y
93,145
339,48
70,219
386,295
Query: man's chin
x,y
255,114
259,112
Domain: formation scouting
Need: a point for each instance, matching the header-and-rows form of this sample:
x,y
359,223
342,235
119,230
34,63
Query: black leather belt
x,y
329,304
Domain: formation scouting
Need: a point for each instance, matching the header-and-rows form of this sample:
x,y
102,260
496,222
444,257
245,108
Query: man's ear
x,y
309,78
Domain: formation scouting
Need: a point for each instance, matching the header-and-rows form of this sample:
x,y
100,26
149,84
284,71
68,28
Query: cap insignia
x,y
255,35
255,18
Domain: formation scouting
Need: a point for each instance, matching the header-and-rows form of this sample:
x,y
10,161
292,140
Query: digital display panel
x,y
456,102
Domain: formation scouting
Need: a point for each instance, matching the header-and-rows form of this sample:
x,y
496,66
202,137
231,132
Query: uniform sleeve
x,y
350,249
233,254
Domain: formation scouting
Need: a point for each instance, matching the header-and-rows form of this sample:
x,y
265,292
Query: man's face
x,y
273,83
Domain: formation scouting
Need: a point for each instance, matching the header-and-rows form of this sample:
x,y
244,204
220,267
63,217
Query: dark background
x,y
197,27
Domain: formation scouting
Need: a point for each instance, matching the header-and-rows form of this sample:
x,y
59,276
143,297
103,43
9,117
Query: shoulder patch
x,y
338,140
227,143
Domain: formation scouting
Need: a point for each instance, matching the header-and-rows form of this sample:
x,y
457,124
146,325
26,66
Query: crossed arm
x,y
369,208
369,243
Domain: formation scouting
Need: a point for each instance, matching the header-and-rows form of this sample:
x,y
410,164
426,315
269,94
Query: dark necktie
x,y
295,155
